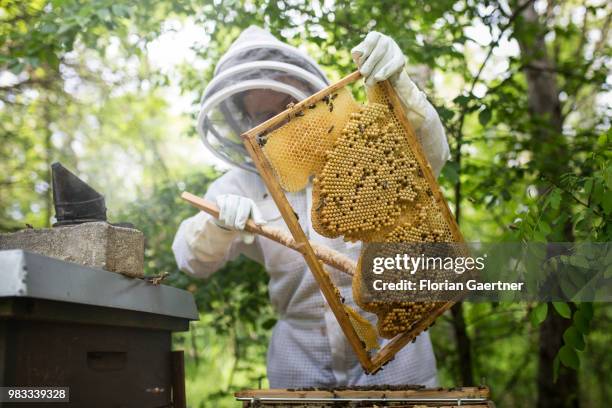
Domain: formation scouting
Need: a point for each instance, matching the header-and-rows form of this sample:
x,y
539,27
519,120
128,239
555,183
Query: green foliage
x,y
217,365
538,314
591,223
563,309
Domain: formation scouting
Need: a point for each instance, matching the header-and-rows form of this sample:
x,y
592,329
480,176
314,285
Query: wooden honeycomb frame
x,y
370,363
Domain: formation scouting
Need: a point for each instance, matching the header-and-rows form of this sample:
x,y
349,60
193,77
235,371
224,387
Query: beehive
x,y
371,183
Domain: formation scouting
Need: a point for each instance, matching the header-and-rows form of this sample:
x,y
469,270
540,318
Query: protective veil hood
x,y
256,60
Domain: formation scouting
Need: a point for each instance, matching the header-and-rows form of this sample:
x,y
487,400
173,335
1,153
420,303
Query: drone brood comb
x,y
371,183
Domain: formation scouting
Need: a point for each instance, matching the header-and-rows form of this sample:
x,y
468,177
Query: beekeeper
x,y
256,79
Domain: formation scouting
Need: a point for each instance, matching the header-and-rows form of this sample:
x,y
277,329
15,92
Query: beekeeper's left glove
x,y
379,58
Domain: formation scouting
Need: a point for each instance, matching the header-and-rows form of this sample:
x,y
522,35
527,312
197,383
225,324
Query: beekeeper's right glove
x,y
234,211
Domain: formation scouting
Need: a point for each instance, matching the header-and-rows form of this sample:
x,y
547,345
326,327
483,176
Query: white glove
x,y
378,58
234,211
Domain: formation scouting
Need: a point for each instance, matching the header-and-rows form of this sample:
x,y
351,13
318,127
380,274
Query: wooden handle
x,y
327,255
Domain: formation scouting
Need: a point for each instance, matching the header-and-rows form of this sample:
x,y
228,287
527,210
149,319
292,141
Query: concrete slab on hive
x,y
93,244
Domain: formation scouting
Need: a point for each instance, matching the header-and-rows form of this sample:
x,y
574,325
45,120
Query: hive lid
x,y
28,275
348,396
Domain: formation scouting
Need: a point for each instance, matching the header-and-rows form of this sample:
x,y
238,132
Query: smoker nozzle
x,y
74,200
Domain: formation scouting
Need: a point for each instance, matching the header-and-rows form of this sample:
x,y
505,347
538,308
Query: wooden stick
x,y
330,257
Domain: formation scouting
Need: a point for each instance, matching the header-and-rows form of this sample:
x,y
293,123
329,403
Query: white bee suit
x,y
307,347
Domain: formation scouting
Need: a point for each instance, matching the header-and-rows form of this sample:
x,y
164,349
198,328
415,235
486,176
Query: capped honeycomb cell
x,y
367,179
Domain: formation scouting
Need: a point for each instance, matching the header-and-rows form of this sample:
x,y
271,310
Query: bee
x,y
290,105
330,129
300,113
312,106
331,107
321,204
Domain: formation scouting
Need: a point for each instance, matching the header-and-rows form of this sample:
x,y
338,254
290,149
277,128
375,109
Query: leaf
x,y
539,313
608,177
606,203
587,309
581,321
16,68
554,198
484,116
445,113
608,272
588,186
574,338
65,27
104,14
120,10
580,261
544,227
568,288
450,172
268,324
563,309
461,100
569,357
539,236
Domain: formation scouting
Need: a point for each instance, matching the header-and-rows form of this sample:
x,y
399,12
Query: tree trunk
x,y
48,158
549,152
462,339
464,346
563,393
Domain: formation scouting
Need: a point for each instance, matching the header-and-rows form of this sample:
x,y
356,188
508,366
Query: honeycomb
x,y
393,315
421,228
363,328
367,185
297,149
367,180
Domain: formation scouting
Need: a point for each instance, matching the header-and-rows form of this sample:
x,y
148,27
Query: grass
x,y
212,371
